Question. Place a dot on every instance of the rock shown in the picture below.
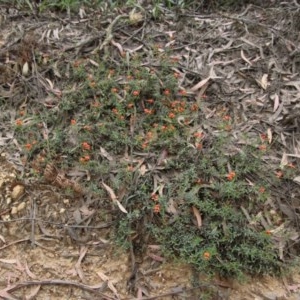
(17, 192)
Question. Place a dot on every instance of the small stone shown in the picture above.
(21, 206)
(62, 210)
(17, 192)
(14, 210)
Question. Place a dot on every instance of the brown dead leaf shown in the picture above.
(5, 295)
(143, 169)
(109, 283)
(198, 216)
(284, 160)
(121, 207)
(105, 154)
(28, 272)
(83, 251)
(9, 261)
(200, 84)
(297, 179)
(110, 191)
(156, 257)
(269, 133)
(171, 207)
(275, 98)
(118, 45)
(245, 58)
(33, 293)
(2, 239)
(263, 82)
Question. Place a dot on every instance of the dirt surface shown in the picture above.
(56, 246)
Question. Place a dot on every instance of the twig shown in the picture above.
(176, 292)
(109, 34)
(104, 225)
(97, 289)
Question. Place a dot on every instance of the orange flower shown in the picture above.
(171, 115)
(262, 147)
(261, 189)
(230, 175)
(182, 92)
(86, 146)
(149, 135)
(73, 122)
(263, 136)
(194, 107)
(291, 165)
(156, 208)
(198, 135)
(135, 93)
(268, 232)
(179, 109)
(148, 111)
(228, 127)
(154, 197)
(28, 146)
(19, 122)
(227, 118)
(206, 255)
(84, 159)
(145, 145)
(114, 90)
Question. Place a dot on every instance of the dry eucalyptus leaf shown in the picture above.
(110, 191)
(245, 58)
(198, 216)
(269, 133)
(25, 69)
(297, 179)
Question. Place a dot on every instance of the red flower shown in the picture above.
(86, 146)
(230, 175)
